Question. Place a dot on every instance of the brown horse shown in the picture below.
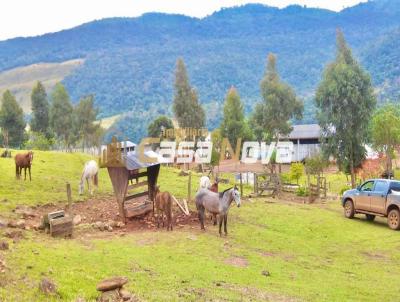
(163, 205)
(23, 161)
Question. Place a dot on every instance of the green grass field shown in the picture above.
(311, 252)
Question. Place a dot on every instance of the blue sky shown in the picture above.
(35, 17)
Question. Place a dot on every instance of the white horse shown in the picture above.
(90, 172)
(205, 182)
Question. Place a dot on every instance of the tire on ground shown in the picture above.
(394, 219)
(349, 209)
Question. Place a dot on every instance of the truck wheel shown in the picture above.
(370, 217)
(394, 219)
(349, 209)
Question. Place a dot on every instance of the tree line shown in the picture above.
(55, 121)
(346, 111)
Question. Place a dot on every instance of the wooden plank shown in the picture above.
(136, 195)
(138, 210)
(138, 185)
(138, 175)
(184, 210)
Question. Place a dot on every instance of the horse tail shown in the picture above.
(96, 179)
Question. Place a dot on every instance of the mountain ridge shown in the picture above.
(129, 62)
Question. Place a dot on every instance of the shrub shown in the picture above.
(38, 141)
(316, 164)
(285, 178)
(296, 171)
(302, 191)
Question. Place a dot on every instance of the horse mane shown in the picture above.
(222, 193)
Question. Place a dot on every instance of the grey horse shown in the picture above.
(216, 203)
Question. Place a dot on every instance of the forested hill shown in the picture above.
(129, 62)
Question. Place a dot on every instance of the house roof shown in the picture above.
(132, 161)
(309, 131)
(128, 144)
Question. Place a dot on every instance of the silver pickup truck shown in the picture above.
(375, 197)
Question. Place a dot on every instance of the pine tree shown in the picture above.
(186, 107)
(234, 125)
(40, 110)
(279, 105)
(345, 103)
(12, 121)
(61, 111)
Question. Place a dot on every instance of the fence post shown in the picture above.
(190, 186)
(69, 197)
(241, 185)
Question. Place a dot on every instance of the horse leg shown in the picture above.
(214, 216)
(16, 171)
(169, 222)
(25, 173)
(201, 217)
(90, 186)
(30, 177)
(225, 222)
(221, 217)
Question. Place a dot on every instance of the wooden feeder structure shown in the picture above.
(58, 224)
(134, 184)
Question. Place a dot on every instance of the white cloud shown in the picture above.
(28, 17)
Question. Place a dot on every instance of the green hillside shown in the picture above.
(129, 62)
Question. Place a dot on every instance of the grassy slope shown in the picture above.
(22, 79)
(311, 251)
(52, 170)
(50, 173)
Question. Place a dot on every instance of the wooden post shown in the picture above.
(190, 186)
(241, 185)
(256, 184)
(309, 188)
(69, 197)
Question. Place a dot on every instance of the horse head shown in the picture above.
(236, 196)
(81, 187)
(29, 156)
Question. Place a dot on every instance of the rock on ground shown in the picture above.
(110, 296)
(3, 223)
(77, 219)
(47, 286)
(111, 284)
(125, 295)
(3, 245)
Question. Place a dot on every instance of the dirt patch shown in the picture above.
(375, 256)
(285, 257)
(237, 261)
(255, 294)
(103, 210)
